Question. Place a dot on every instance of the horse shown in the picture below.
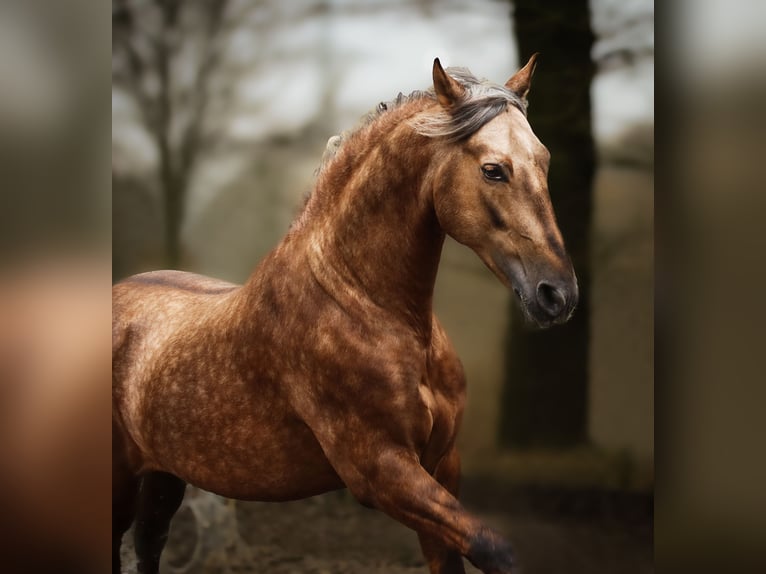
(328, 368)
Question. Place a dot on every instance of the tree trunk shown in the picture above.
(546, 387)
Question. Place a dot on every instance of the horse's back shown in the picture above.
(156, 292)
(180, 280)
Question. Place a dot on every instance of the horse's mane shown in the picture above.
(336, 142)
(483, 101)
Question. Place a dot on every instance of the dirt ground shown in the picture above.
(593, 533)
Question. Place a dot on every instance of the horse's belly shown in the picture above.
(246, 453)
(293, 474)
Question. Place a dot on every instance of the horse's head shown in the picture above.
(490, 189)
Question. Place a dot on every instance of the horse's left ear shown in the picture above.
(522, 80)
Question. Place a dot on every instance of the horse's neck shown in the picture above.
(373, 233)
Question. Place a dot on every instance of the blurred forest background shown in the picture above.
(220, 113)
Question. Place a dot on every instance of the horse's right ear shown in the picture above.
(448, 89)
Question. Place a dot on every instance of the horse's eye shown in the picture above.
(494, 172)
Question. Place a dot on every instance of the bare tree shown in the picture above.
(165, 54)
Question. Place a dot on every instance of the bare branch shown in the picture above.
(170, 55)
(190, 141)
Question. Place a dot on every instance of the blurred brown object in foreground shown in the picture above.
(54, 416)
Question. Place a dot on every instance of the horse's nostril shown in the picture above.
(552, 299)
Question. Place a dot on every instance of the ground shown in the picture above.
(552, 532)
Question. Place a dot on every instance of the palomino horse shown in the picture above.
(328, 368)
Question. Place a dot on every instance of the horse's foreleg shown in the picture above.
(397, 484)
(161, 495)
(442, 559)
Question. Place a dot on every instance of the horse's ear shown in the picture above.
(522, 80)
(448, 89)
